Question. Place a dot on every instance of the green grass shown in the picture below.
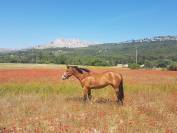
(41, 66)
(70, 88)
(39, 88)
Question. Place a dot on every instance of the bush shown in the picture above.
(98, 62)
(163, 63)
(149, 64)
(172, 67)
(134, 66)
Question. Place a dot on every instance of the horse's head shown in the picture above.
(69, 72)
(72, 70)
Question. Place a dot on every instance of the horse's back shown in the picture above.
(109, 76)
(107, 73)
(113, 74)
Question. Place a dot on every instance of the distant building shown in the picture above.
(142, 66)
(122, 65)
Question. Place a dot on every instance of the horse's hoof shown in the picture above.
(119, 103)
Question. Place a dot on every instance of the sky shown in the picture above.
(25, 23)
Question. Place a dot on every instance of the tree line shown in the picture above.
(151, 54)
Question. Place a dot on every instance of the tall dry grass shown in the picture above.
(47, 105)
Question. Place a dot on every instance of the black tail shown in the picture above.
(121, 92)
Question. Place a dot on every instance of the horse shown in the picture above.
(90, 80)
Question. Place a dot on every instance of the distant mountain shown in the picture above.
(65, 43)
(4, 50)
(76, 43)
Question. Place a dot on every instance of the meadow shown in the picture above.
(34, 99)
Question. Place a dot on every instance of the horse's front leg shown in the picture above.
(87, 93)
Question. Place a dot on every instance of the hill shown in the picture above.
(155, 52)
(65, 43)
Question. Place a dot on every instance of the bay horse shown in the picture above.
(90, 80)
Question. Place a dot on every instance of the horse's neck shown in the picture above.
(80, 76)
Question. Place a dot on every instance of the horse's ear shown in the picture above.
(67, 66)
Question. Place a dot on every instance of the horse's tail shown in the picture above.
(121, 91)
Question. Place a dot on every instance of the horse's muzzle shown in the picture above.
(64, 76)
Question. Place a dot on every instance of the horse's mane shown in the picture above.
(81, 70)
(85, 70)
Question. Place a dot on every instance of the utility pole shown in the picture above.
(34, 57)
(136, 55)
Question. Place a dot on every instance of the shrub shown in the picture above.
(134, 66)
(149, 64)
(172, 67)
(163, 63)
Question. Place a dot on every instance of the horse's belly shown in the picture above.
(98, 86)
(97, 83)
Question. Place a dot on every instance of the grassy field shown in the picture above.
(33, 98)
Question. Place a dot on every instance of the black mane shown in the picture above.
(85, 70)
(82, 70)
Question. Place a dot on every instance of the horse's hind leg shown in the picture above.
(117, 94)
(119, 99)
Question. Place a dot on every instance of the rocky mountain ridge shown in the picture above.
(65, 43)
